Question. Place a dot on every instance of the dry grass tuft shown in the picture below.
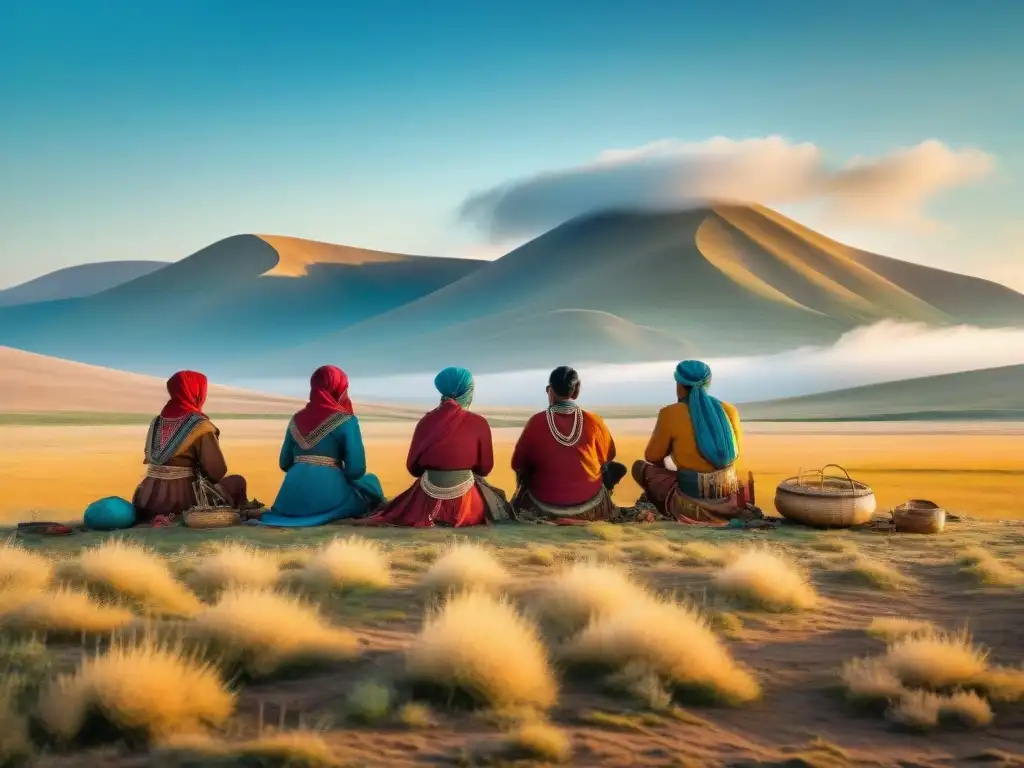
(583, 590)
(878, 574)
(64, 611)
(835, 544)
(973, 556)
(416, 715)
(540, 555)
(1002, 683)
(607, 531)
(643, 684)
(21, 569)
(15, 742)
(703, 553)
(652, 551)
(923, 710)
(478, 645)
(541, 741)
(143, 691)
(293, 749)
(870, 681)
(936, 661)
(263, 631)
(235, 565)
(671, 640)
(996, 573)
(465, 566)
(132, 571)
(767, 580)
(349, 562)
(891, 628)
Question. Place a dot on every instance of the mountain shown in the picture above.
(76, 282)
(234, 300)
(724, 280)
(991, 393)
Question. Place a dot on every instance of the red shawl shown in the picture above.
(450, 418)
(188, 394)
(328, 396)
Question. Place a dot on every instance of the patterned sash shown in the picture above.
(166, 436)
(317, 461)
(328, 425)
(169, 472)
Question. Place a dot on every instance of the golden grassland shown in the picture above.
(51, 472)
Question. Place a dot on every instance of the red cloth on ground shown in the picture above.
(328, 395)
(188, 394)
(447, 438)
(563, 475)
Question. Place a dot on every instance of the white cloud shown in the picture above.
(670, 174)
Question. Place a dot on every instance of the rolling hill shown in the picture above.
(990, 394)
(725, 280)
(234, 300)
(77, 282)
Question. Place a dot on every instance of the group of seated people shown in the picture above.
(564, 461)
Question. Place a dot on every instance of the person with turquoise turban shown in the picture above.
(450, 455)
(702, 436)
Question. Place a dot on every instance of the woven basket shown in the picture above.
(211, 517)
(919, 516)
(825, 501)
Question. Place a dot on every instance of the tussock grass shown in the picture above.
(368, 702)
(996, 573)
(137, 692)
(871, 682)
(541, 741)
(262, 632)
(282, 749)
(64, 612)
(923, 710)
(21, 569)
(703, 553)
(642, 683)
(465, 566)
(671, 640)
(835, 544)
(973, 556)
(540, 555)
(877, 574)
(767, 580)
(566, 602)
(890, 628)
(652, 550)
(349, 562)
(235, 565)
(936, 661)
(607, 531)
(416, 715)
(1002, 683)
(129, 570)
(478, 646)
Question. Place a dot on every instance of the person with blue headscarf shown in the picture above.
(450, 454)
(702, 436)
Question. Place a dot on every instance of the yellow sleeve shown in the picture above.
(734, 419)
(660, 444)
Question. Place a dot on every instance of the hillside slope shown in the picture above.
(76, 282)
(992, 393)
(234, 300)
(728, 280)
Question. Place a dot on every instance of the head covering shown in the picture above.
(328, 396)
(712, 429)
(188, 394)
(455, 384)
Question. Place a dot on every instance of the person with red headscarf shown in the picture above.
(182, 444)
(324, 460)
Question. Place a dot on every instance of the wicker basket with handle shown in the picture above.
(211, 510)
(919, 516)
(821, 500)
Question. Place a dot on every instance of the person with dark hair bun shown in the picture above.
(564, 459)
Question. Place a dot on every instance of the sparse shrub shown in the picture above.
(121, 569)
(465, 566)
(235, 565)
(767, 580)
(263, 632)
(349, 562)
(478, 646)
(64, 612)
(671, 640)
(142, 691)
(567, 601)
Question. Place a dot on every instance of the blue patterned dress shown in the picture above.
(326, 476)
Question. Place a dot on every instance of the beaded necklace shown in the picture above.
(576, 432)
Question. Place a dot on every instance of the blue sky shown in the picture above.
(137, 130)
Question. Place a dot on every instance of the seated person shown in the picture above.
(324, 461)
(703, 437)
(451, 452)
(182, 446)
(563, 459)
